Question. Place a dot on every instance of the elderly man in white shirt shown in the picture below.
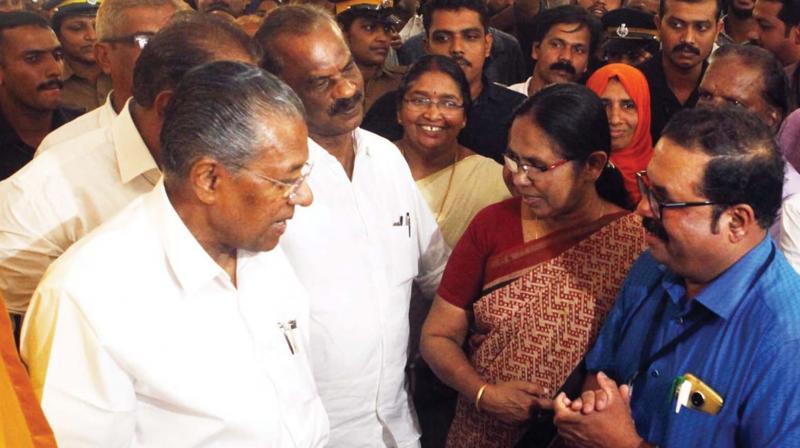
(71, 189)
(178, 323)
(123, 29)
(358, 249)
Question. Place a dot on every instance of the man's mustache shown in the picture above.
(564, 67)
(53, 83)
(220, 6)
(346, 104)
(655, 227)
(686, 47)
(460, 60)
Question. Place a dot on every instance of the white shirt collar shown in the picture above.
(133, 157)
(192, 266)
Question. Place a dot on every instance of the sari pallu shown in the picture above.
(542, 306)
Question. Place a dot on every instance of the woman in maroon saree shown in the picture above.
(538, 273)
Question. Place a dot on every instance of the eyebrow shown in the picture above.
(39, 51)
(461, 31)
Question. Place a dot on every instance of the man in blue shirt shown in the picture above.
(713, 297)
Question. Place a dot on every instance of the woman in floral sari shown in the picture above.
(539, 271)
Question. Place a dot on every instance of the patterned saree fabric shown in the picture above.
(542, 307)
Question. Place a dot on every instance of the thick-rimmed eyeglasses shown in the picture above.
(423, 103)
(656, 205)
(515, 165)
(290, 188)
(138, 39)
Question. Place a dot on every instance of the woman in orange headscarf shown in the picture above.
(626, 96)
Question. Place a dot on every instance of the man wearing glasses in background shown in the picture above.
(123, 29)
(701, 346)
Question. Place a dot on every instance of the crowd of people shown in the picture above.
(359, 223)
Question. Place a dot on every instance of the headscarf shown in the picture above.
(637, 154)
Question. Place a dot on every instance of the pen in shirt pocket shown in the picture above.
(288, 334)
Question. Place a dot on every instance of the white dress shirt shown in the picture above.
(94, 119)
(357, 249)
(63, 194)
(151, 345)
(790, 231)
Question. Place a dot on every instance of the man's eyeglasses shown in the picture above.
(138, 39)
(515, 165)
(290, 188)
(423, 103)
(658, 206)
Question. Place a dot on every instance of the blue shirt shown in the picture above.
(747, 349)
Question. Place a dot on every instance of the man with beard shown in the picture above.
(369, 236)
(738, 23)
(368, 26)
(701, 346)
(67, 191)
(564, 39)
(778, 32)
(234, 8)
(777, 29)
(85, 85)
(123, 29)
(31, 64)
(458, 29)
(687, 30)
(599, 8)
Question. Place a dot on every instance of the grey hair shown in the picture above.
(111, 15)
(292, 20)
(226, 111)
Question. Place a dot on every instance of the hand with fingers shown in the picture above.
(514, 401)
(598, 419)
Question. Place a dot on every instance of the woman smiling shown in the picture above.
(456, 182)
(626, 97)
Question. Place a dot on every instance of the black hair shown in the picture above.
(223, 110)
(431, 6)
(435, 63)
(776, 87)
(16, 19)
(292, 20)
(789, 14)
(190, 39)
(662, 7)
(575, 120)
(568, 14)
(746, 166)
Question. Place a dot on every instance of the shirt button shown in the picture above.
(680, 321)
(655, 373)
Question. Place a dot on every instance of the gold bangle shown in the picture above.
(479, 396)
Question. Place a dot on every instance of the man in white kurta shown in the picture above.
(151, 345)
(368, 237)
(178, 323)
(358, 249)
(63, 194)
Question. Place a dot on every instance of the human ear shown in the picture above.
(595, 164)
(101, 55)
(742, 218)
(162, 101)
(206, 178)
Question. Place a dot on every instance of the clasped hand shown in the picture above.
(599, 418)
